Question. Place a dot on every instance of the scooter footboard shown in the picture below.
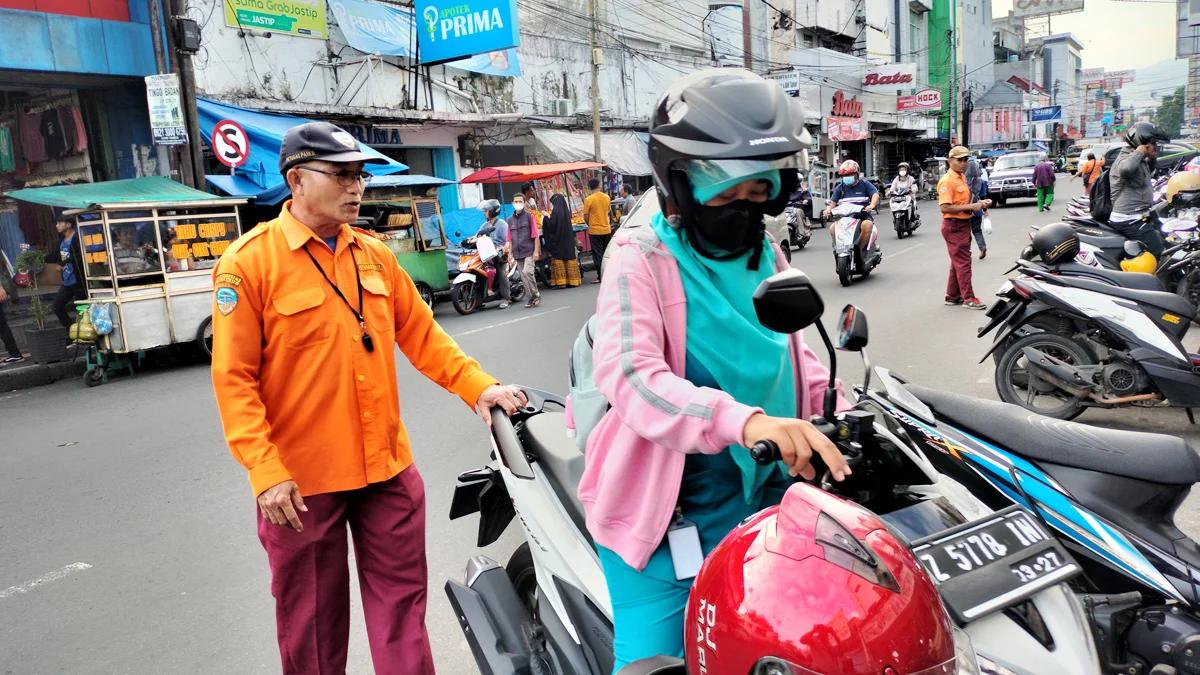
(491, 616)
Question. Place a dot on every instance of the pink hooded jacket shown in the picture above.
(635, 455)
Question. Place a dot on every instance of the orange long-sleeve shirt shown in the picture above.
(300, 397)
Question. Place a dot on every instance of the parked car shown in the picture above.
(1012, 176)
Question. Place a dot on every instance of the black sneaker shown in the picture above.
(13, 359)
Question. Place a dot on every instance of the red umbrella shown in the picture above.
(499, 174)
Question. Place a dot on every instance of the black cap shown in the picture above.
(321, 141)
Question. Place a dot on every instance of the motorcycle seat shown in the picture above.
(1156, 458)
(545, 437)
(1132, 280)
(1162, 300)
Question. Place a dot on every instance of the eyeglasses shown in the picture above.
(344, 178)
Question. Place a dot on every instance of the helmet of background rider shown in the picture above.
(728, 123)
(1056, 243)
(848, 168)
(490, 208)
(1145, 133)
(1183, 190)
(817, 586)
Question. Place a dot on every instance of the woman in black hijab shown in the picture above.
(560, 243)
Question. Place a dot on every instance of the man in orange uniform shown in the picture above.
(307, 309)
(954, 198)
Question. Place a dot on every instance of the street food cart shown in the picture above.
(149, 246)
(402, 213)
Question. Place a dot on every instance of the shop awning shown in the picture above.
(623, 151)
(134, 192)
(259, 177)
(407, 180)
(497, 174)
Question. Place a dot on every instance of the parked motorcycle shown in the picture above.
(848, 253)
(475, 285)
(1000, 575)
(904, 212)
(1110, 496)
(1076, 343)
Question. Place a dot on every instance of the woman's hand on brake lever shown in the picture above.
(797, 440)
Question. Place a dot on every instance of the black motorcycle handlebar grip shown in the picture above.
(765, 452)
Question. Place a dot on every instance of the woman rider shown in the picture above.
(692, 378)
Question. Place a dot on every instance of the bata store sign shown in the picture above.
(890, 77)
(926, 99)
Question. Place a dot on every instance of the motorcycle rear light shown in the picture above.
(845, 550)
(1023, 290)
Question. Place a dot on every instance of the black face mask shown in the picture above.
(730, 230)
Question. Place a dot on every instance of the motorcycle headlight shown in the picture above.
(462, 265)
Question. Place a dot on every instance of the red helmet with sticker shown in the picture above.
(817, 586)
(848, 168)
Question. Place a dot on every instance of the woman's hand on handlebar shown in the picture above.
(797, 441)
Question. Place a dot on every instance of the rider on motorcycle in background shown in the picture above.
(801, 198)
(496, 229)
(854, 189)
(1132, 190)
(650, 467)
(905, 181)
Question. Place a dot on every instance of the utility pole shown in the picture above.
(597, 58)
(953, 70)
(165, 158)
(181, 63)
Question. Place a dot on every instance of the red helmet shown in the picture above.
(818, 586)
(848, 168)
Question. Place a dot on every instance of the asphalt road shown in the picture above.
(127, 533)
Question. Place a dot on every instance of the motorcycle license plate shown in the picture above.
(992, 563)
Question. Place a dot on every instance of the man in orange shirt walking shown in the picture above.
(596, 215)
(306, 312)
(954, 199)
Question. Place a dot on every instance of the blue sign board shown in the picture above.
(1051, 113)
(452, 29)
(1108, 118)
(373, 28)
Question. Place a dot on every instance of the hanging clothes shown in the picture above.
(8, 156)
(52, 132)
(68, 127)
(33, 146)
(81, 141)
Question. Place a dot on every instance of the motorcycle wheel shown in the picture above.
(204, 337)
(464, 298)
(787, 252)
(1013, 369)
(522, 574)
(426, 292)
(843, 270)
(517, 291)
(1045, 324)
(1189, 289)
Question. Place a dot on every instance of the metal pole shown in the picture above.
(165, 158)
(187, 92)
(953, 70)
(595, 79)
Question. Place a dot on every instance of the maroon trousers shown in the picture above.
(957, 233)
(310, 578)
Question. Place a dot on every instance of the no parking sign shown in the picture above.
(230, 143)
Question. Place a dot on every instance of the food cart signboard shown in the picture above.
(304, 18)
(451, 29)
(166, 113)
(230, 143)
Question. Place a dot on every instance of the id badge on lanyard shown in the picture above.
(683, 538)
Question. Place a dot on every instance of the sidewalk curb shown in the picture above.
(12, 379)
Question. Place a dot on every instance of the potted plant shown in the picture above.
(45, 344)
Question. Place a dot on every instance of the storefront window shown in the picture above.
(196, 244)
(134, 248)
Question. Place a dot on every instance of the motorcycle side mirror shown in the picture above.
(852, 330)
(788, 302)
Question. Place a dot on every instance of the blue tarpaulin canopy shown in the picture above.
(259, 177)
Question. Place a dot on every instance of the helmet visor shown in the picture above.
(964, 662)
(711, 177)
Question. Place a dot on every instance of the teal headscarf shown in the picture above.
(749, 362)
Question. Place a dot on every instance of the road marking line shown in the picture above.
(906, 250)
(505, 323)
(44, 579)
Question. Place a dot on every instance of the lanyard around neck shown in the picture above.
(366, 337)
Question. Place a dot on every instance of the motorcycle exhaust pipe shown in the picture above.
(1058, 373)
(1125, 399)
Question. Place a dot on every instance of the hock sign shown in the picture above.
(451, 29)
(926, 99)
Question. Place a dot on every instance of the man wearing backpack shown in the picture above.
(1132, 192)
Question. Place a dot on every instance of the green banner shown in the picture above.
(303, 18)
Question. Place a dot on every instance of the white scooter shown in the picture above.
(905, 218)
(848, 253)
(548, 610)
